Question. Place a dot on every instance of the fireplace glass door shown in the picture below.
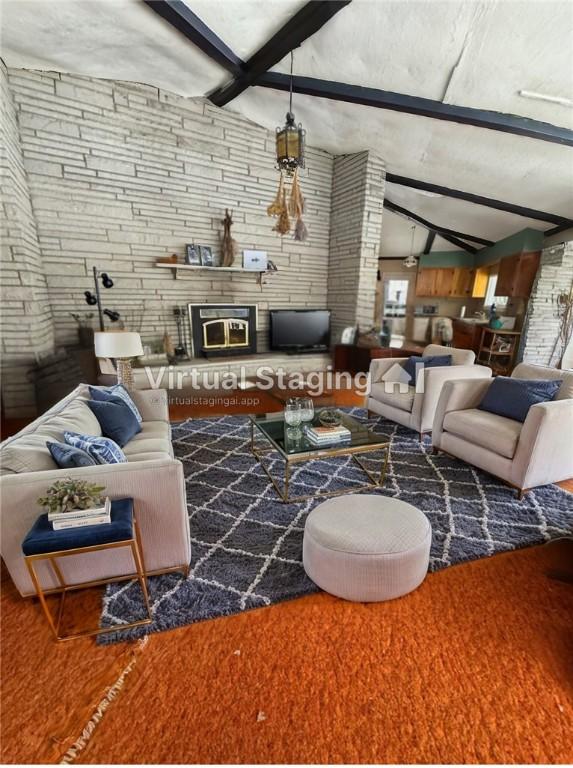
(225, 333)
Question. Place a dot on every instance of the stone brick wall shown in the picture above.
(118, 174)
(121, 174)
(356, 227)
(555, 276)
(27, 329)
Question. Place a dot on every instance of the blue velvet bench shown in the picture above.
(43, 543)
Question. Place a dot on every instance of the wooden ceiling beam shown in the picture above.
(415, 105)
(180, 16)
(489, 202)
(308, 20)
(447, 234)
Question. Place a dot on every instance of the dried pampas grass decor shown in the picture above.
(284, 211)
(283, 224)
(228, 245)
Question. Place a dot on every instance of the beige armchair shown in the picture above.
(525, 455)
(415, 406)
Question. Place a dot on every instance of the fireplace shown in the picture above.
(223, 329)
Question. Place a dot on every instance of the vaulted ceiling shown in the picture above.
(464, 53)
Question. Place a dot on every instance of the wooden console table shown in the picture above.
(354, 359)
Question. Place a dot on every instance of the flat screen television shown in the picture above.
(300, 330)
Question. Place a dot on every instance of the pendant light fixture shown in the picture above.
(290, 138)
(410, 260)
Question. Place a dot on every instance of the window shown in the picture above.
(490, 297)
(395, 294)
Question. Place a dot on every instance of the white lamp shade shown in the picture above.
(118, 344)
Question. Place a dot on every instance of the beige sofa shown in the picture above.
(525, 455)
(151, 476)
(415, 407)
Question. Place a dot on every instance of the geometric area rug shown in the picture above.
(247, 545)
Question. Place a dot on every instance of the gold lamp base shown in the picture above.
(125, 373)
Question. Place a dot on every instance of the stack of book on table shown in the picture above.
(78, 518)
(327, 435)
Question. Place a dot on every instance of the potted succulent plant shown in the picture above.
(68, 495)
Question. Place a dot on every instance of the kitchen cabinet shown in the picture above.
(467, 335)
(455, 282)
(516, 274)
(462, 283)
(444, 281)
(481, 278)
(426, 282)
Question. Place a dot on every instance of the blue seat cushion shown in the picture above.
(415, 363)
(116, 419)
(117, 391)
(67, 456)
(42, 538)
(513, 398)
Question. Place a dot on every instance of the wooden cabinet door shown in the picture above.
(506, 276)
(444, 282)
(462, 282)
(426, 282)
(479, 287)
(526, 272)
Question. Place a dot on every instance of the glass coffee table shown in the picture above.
(294, 450)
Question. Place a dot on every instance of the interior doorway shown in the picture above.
(394, 307)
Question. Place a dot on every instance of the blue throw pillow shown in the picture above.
(66, 456)
(116, 419)
(513, 398)
(415, 363)
(101, 449)
(118, 390)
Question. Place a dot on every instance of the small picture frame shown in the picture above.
(206, 254)
(255, 260)
(192, 257)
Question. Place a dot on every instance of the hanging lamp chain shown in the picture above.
(290, 85)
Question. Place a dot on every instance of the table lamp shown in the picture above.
(120, 345)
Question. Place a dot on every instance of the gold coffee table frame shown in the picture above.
(376, 480)
(134, 544)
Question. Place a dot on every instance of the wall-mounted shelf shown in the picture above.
(197, 268)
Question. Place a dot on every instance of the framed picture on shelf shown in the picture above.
(206, 253)
(192, 257)
(255, 260)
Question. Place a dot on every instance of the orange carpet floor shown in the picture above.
(475, 666)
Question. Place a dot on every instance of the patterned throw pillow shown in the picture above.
(118, 390)
(101, 449)
(66, 456)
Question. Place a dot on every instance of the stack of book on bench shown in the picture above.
(78, 518)
(328, 435)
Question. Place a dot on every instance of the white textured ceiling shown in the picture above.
(477, 54)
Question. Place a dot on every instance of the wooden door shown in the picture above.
(506, 276)
(526, 272)
(444, 281)
(426, 282)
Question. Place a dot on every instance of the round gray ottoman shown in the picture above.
(366, 548)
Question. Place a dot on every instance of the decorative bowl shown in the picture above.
(330, 417)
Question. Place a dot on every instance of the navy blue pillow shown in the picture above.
(513, 398)
(66, 456)
(430, 361)
(117, 392)
(116, 419)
